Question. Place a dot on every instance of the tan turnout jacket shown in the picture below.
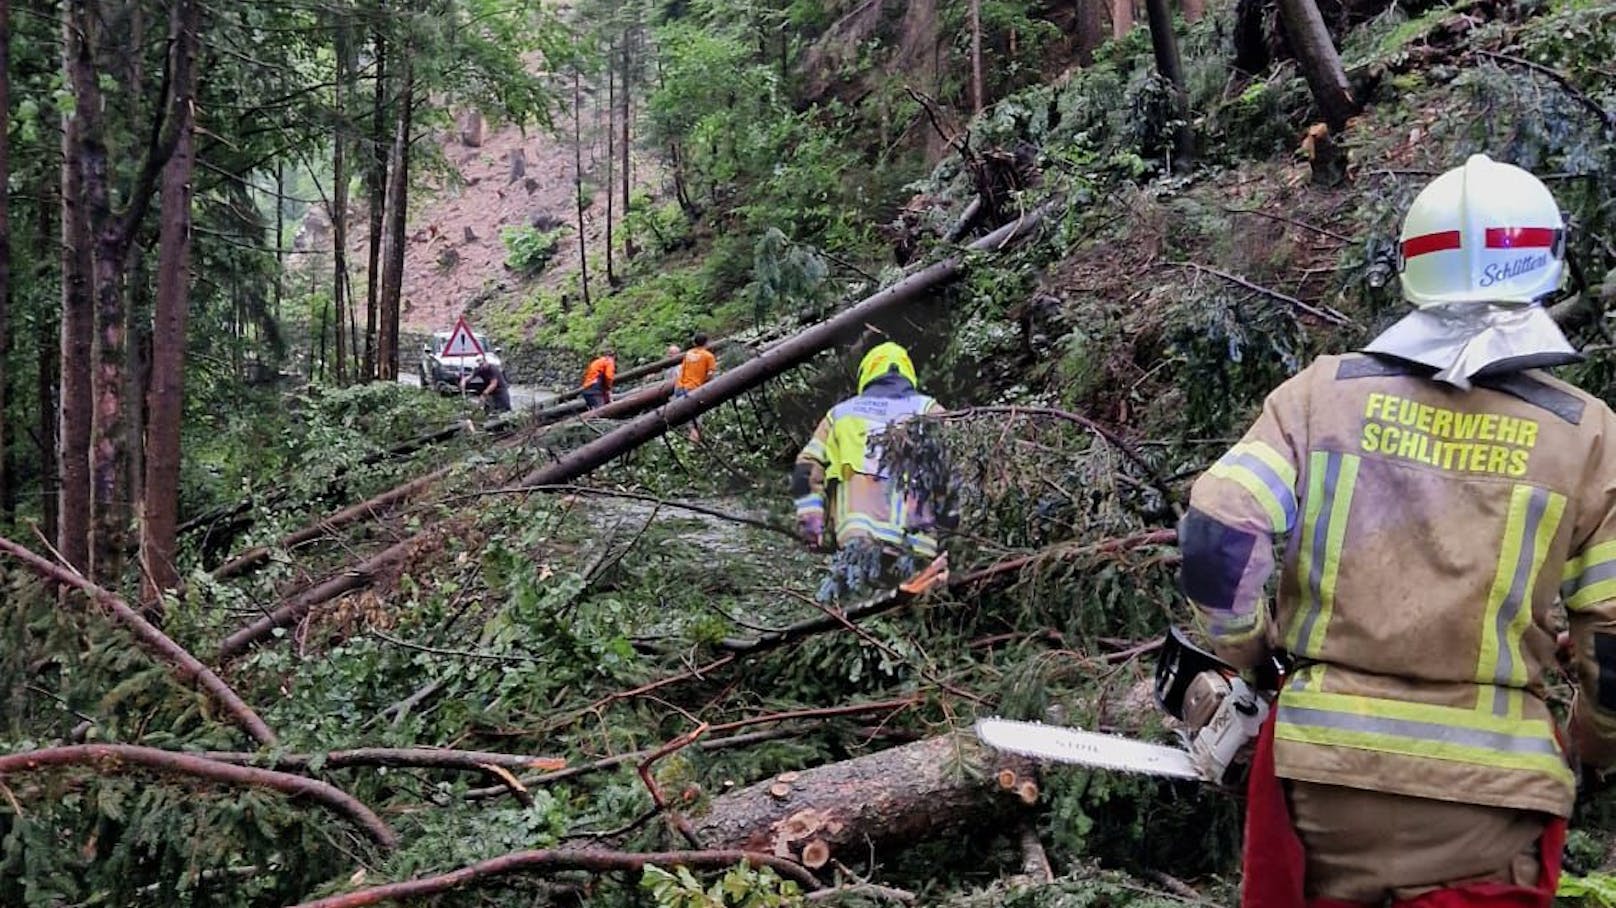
(1427, 534)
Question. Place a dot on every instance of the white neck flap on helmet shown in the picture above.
(1482, 247)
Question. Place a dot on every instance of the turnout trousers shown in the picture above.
(1324, 846)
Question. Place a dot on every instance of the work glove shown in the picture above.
(811, 528)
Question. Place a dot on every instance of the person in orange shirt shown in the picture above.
(598, 379)
(698, 368)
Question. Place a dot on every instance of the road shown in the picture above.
(522, 398)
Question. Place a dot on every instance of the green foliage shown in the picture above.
(446, 840)
(740, 887)
(1595, 890)
(529, 250)
(784, 275)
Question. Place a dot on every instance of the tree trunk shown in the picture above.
(1164, 43)
(884, 801)
(611, 160)
(280, 233)
(166, 398)
(376, 183)
(1121, 18)
(394, 231)
(1090, 29)
(1251, 53)
(48, 377)
(1304, 27)
(975, 13)
(8, 490)
(339, 204)
(78, 331)
(629, 249)
(578, 183)
(136, 378)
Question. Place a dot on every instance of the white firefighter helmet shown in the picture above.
(1486, 232)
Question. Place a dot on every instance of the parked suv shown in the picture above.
(442, 373)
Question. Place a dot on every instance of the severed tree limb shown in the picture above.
(675, 819)
(292, 610)
(1325, 314)
(419, 757)
(364, 510)
(555, 860)
(111, 758)
(708, 744)
(1559, 78)
(1292, 221)
(495, 765)
(888, 601)
(186, 667)
(613, 762)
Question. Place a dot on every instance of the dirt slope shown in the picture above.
(455, 251)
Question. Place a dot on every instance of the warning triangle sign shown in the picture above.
(461, 341)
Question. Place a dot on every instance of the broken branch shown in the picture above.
(1325, 314)
(186, 666)
(419, 757)
(555, 860)
(111, 758)
(1560, 79)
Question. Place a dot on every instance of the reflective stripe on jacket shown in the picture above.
(865, 503)
(1427, 533)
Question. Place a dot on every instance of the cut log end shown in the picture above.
(1007, 779)
(815, 854)
(780, 790)
(1027, 791)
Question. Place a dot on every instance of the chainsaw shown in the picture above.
(1221, 712)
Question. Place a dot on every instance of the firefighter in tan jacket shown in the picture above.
(1434, 498)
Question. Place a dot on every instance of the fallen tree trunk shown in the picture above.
(890, 798)
(774, 361)
(111, 758)
(186, 666)
(359, 576)
(554, 861)
(371, 507)
(292, 610)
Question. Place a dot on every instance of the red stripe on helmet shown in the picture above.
(1520, 237)
(1430, 242)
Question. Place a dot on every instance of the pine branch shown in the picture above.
(111, 759)
(421, 757)
(551, 861)
(186, 666)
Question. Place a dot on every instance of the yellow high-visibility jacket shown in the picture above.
(1427, 535)
(864, 502)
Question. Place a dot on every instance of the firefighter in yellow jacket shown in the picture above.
(842, 463)
(1434, 496)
